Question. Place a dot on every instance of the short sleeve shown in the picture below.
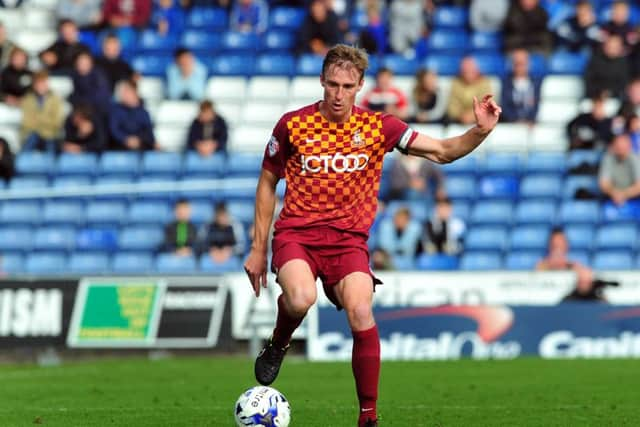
(275, 153)
(397, 134)
(635, 162)
(605, 168)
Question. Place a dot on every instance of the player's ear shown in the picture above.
(322, 79)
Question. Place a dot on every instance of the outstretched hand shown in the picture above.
(487, 113)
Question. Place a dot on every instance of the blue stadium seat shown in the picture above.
(400, 64)
(541, 186)
(358, 20)
(461, 187)
(140, 238)
(617, 236)
(579, 211)
(201, 211)
(451, 17)
(76, 164)
(538, 162)
(466, 165)
(172, 264)
(28, 183)
(231, 64)
(152, 41)
(149, 212)
(486, 42)
(270, 64)
(278, 40)
(443, 64)
(627, 212)
(88, 263)
(492, 238)
(490, 64)
(34, 163)
(574, 183)
(309, 65)
(241, 211)
(244, 164)
(492, 212)
(238, 42)
(156, 162)
(580, 256)
(46, 263)
(128, 37)
(132, 262)
(12, 262)
(55, 238)
(211, 167)
(201, 41)
(503, 163)
(475, 261)
(208, 18)
(462, 210)
(20, 212)
(583, 157)
(542, 211)
(119, 162)
(537, 65)
(71, 182)
(499, 186)
(447, 41)
(437, 262)
(232, 265)
(63, 212)
(16, 238)
(566, 63)
(420, 209)
(106, 212)
(97, 239)
(151, 65)
(612, 260)
(289, 18)
(90, 38)
(580, 237)
(529, 237)
(522, 260)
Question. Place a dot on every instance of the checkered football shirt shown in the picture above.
(332, 170)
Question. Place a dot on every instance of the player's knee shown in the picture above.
(360, 315)
(301, 300)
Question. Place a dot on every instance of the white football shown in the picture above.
(262, 406)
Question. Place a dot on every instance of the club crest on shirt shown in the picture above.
(273, 146)
(356, 139)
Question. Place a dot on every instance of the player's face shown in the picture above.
(341, 84)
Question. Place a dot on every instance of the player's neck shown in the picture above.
(324, 112)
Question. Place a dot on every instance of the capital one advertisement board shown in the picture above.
(569, 330)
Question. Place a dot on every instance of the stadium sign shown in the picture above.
(147, 313)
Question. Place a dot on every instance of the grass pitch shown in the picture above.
(202, 391)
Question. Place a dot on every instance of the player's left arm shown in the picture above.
(447, 150)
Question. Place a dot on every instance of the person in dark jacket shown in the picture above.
(111, 62)
(180, 235)
(608, 69)
(129, 122)
(208, 132)
(15, 79)
(220, 238)
(526, 27)
(83, 131)
(7, 168)
(320, 29)
(58, 58)
(520, 91)
(581, 31)
(90, 85)
(620, 25)
(591, 130)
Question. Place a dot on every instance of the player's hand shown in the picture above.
(487, 113)
(256, 268)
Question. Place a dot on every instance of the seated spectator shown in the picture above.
(557, 257)
(180, 234)
(6, 47)
(425, 97)
(411, 178)
(83, 131)
(129, 122)
(488, 15)
(406, 24)
(442, 232)
(526, 27)
(112, 64)
(319, 31)
(59, 57)
(90, 85)
(385, 96)
(591, 130)
(7, 167)
(619, 175)
(619, 24)
(168, 18)
(520, 91)
(16, 78)
(249, 16)
(42, 116)
(186, 77)
(208, 132)
(381, 260)
(586, 289)
(400, 235)
(223, 237)
(607, 70)
(631, 101)
(581, 31)
(469, 84)
(85, 13)
(126, 13)
(373, 37)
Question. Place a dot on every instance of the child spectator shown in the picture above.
(129, 122)
(180, 235)
(16, 78)
(223, 238)
(83, 131)
(42, 116)
(208, 132)
(186, 77)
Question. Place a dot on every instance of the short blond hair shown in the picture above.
(342, 56)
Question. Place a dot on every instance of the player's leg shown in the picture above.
(355, 293)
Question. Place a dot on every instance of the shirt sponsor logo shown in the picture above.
(273, 146)
(339, 163)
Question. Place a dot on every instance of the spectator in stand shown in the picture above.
(115, 68)
(469, 84)
(406, 24)
(442, 232)
(126, 13)
(399, 236)
(373, 38)
(579, 33)
(249, 16)
(488, 15)
(83, 131)
(129, 122)
(619, 24)
(591, 130)
(557, 257)
(208, 132)
(607, 70)
(385, 96)
(223, 238)
(319, 31)
(16, 78)
(90, 85)
(425, 97)
(619, 176)
(526, 27)
(7, 167)
(186, 77)
(85, 13)
(631, 102)
(59, 57)
(168, 18)
(42, 116)
(180, 234)
(411, 179)
(520, 91)
(6, 47)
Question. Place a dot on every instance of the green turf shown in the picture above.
(201, 392)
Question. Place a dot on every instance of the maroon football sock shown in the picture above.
(365, 362)
(285, 325)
